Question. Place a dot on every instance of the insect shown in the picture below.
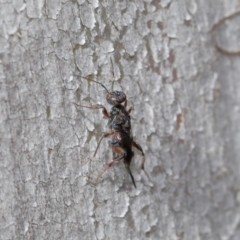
(120, 126)
(119, 117)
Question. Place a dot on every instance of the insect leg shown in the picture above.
(130, 109)
(125, 106)
(137, 145)
(119, 150)
(103, 136)
(108, 166)
(104, 110)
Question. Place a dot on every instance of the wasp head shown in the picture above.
(116, 97)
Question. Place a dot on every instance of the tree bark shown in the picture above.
(177, 61)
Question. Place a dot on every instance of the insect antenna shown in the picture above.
(109, 18)
(112, 72)
(91, 80)
(101, 85)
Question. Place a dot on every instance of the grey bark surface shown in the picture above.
(177, 61)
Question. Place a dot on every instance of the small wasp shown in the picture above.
(120, 126)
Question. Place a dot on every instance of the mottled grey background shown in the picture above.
(177, 61)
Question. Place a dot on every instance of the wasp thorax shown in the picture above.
(116, 97)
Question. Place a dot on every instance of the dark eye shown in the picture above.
(114, 142)
(118, 93)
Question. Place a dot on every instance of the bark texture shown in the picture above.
(177, 61)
